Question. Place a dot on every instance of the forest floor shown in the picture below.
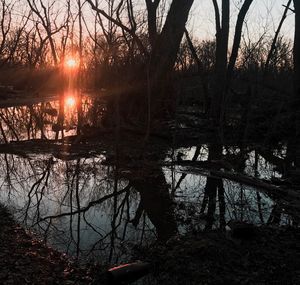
(267, 255)
(271, 256)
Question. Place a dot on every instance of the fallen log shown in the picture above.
(250, 181)
(128, 273)
(209, 164)
(270, 157)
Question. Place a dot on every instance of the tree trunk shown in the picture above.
(296, 101)
(163, 55)
(273, 46)
(297, 49)
(161, 60)
(221, 66)
(223, 73)
(237, 38)
(152, 27)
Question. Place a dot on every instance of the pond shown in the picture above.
(94, 209)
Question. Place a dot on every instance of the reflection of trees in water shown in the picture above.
(88, 209)
(46, 120)
(213, 187)
(76, 204)
(155, 202)
(27, 122)
(205, 201)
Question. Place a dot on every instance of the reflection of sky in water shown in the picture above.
(240, 200)
(188, 153)
(94, 181)
(264, 168)
(28, 122)
(42, 185)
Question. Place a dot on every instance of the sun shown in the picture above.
(70, 101)
(71, 62)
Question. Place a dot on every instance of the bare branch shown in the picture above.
(120, 25)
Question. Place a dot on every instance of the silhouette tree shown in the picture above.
(296, 101)
(223, 69)
(164, 48)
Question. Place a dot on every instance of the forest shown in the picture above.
(149, 141)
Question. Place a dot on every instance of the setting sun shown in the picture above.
(71, 63)
(70, 101)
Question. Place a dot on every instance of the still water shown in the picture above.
(95, 210)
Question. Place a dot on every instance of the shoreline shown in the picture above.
(26, 260)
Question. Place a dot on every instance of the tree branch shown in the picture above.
(120, 25)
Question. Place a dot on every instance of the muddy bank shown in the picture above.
(26, 260)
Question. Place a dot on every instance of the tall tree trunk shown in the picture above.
(161, 59)
(152, 25)
(223, 72)
(237, 38)
(296, 101)
(222, 36)
(164, 52)
(273, 46)
(80, 73)
(297, 48)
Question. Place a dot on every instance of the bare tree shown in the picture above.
(222, 36)
(118, 23)
(297, 48)
(296, 101)
(152, 20)
(162, 56)
(237, 38)
(66, 34)
(223, 69)
(48, 18)
(273, 46)
(5, 23)
(164, 53)
(16, 39)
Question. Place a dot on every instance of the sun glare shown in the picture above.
(70, 101)
(71, 63)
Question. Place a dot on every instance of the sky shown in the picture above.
(262, 15)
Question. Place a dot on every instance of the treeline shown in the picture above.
(144, 52)
(44, 33)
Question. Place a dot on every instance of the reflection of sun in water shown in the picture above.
(70, 101)
(71, 63)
